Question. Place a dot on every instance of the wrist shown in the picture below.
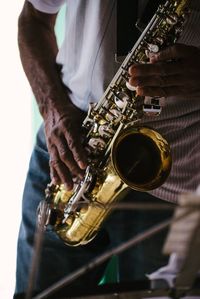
(55, 111)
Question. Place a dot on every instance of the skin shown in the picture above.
(172, 72)
(62, 120)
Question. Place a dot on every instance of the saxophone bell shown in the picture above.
(141, 157)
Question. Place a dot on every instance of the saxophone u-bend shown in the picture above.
(122, 153)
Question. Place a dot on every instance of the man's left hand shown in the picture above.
(174, 71)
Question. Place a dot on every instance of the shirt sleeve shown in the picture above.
(47, 6)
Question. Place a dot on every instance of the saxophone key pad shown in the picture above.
(160, 40)
(121, 99)
(113, 115)
(153, 48)
(97, 143)
(106, 131)
(130, 87)
(172, 19)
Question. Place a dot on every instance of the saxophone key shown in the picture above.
(153, 48)
(114, 115)
(97, 144)
(160, 40)
(172, 19)
(121, 99)
(106, 131)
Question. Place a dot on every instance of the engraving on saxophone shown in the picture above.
(122, 153)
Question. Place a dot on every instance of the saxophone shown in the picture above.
(122, 154)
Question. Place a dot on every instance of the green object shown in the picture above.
(59, 26)
(111, 274)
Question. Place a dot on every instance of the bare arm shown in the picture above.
(38, 50)
(174, 71)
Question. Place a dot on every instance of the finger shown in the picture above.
(156, 69)
(162, 91)
(162, 81)
(54, 176)
(52, 161)
(58, 170)
(68, 159)
(79, 154)
(61, 175)
(66, 156)
(64, 175)
(174, 52)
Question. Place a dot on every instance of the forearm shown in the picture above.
(38, 50)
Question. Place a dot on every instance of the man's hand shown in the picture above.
(63, 135)
(171, 72)
(38, 51)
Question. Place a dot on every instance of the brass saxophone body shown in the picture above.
(122, 153)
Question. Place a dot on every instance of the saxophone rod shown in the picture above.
(105, 256)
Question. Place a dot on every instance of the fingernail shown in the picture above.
(54, 181)
(81, 176)
(153, 57)
(138, 91)
(82, 165)
(68, 187)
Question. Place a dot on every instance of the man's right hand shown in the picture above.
(38, 51)
(64, 135)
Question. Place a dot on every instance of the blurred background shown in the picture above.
(19, 120)
(16, 141)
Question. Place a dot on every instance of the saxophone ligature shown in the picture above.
(122, 153)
